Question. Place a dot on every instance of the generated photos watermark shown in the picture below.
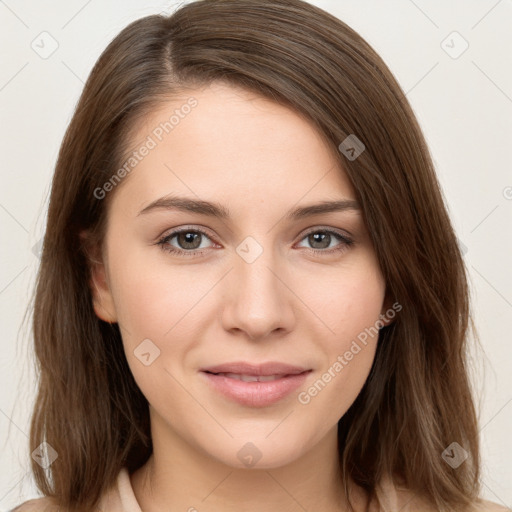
(304, 397)
(151, 142)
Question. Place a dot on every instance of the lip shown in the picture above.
(255, 394)
(262, 369)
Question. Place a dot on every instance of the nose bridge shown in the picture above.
(258, 301)
(257, 284)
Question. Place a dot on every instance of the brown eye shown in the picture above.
(325, 241)
(187, 242)
(322, 239)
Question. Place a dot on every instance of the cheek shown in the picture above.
(143, 302)
(162, 310)
(154, 304)
(152, 297)
(345, 302)
(358, 308)
(351, 310)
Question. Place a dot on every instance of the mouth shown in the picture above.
(257, 386)
(250, 378)
(268, 369)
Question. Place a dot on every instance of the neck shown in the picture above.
(179, 476)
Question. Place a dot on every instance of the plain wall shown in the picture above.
(464, 106)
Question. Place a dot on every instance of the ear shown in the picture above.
(102, 299)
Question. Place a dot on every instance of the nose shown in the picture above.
(258, 299)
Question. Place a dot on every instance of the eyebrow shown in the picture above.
(212, 209)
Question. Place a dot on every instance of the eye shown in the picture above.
(321, 239)
(189, 241)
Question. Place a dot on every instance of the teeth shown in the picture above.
(251, 378)
(265, 378)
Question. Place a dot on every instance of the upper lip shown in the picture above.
(263, 369)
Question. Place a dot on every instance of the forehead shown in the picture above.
(227, 144)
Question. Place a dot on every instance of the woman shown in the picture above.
(250, 295)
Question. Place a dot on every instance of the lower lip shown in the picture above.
(256, 394)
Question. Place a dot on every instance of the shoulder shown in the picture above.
(45, 504)
(409, 501)
(405, 500)
(117, 498)
(490, 506)
(417, 503)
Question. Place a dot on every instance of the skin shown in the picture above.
(258, 159)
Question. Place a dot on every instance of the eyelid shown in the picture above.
(341, 232)
(185, 229)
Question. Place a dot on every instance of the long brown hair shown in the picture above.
(417, 399)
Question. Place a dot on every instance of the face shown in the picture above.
(252, 284)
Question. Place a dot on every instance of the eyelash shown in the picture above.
(163, 242)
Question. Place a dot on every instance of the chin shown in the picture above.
(251, 453)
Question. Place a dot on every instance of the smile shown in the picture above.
(254, 390)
